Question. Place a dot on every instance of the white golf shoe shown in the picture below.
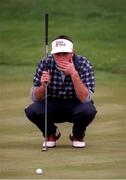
(77, 143)
(51, 140)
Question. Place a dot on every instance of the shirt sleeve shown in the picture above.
(37, 77)
(87, 75)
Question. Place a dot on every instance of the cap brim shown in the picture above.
(59, 50)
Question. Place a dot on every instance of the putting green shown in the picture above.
(20, 145)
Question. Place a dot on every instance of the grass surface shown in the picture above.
(20, 145)
(97, 27)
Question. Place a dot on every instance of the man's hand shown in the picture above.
(45, 78)
(40, 90)
(67, 67)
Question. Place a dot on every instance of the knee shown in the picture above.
(29, 113)
(87, 110)
(90, 111)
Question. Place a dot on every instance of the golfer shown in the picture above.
(70, 88)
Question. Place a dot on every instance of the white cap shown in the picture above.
(61, 45)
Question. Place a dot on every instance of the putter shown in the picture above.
(45, 148)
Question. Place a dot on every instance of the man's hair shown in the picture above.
(63, 37)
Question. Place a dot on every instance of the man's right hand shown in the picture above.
(45, 78)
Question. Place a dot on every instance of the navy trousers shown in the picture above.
(59, 111)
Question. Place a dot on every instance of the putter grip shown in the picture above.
(46, 29)
(46, 66)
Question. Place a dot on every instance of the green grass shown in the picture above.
(99, 30)
(20, 145)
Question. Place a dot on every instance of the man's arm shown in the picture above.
(39, 91)
(81, 90)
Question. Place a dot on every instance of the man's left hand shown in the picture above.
(67, 67)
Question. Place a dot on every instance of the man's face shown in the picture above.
(63, 56)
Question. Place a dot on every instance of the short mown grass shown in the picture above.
(20, 145)
(98, 29)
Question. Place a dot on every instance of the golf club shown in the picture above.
(46, 55)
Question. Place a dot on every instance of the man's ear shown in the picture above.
(73, 53)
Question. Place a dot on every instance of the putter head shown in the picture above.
(44, 149)
(44, 146)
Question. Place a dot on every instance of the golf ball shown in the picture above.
(39, 171)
